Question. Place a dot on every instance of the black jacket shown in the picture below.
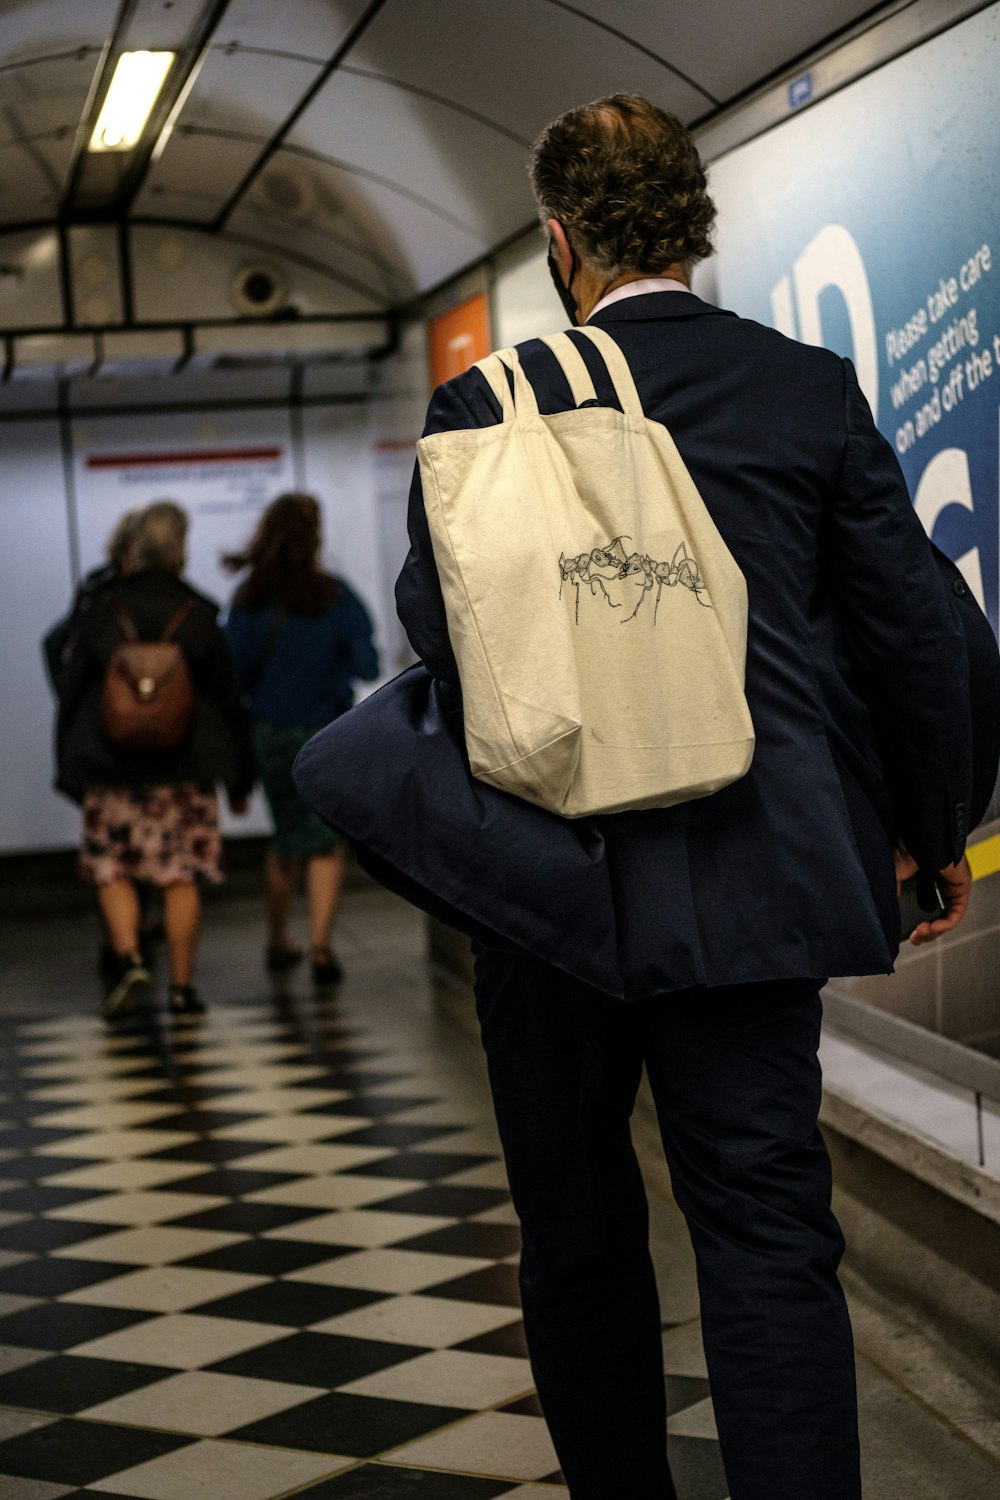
(218, 748)
(857, 678)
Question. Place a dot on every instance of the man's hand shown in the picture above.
(956, 884)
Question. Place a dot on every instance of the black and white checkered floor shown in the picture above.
(273, 1254)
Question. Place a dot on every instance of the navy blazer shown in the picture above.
(857, 680)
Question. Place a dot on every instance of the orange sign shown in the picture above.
(457, 338)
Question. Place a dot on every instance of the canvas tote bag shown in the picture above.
(598, 619)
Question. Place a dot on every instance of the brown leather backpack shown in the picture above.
(147, 697)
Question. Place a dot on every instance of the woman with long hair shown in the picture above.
(301, 638)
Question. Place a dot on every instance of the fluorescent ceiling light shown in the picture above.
(134, 90)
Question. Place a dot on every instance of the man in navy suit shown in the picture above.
(728, 912)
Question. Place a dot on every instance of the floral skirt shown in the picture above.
(161, 834)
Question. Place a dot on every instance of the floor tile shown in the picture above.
(372, 1106)
(327, 1192)
(508, 1340)
(153, 1246)
(44, 1236)
(13, 1357)
(209, 1150)
(535, 1492)
(387, 1270)
(221, 1471)
(42, 1277)
(66, 1383)
(489, 1241)
(424, 1166)
(231, 1180)
(329, 1360)
(163, 1289)
(54, 1325)
(683, 1351)
(106, 1145)
(242, 1218)
(366, 1227)
(489, 1174)
(388, 1482)
(449, 1378)
(455, 1202)
(38, 1198)
(121, 1176)
(697, 1421)
(105, 1116)
(135, 1208)
(504, 1213)
(183, 1341)
(294, 1303)
(433, 1322)
(265, 1257)
(496, 1283)
(697, 1468)
(291, 1128)
(286, 1101)
(511, 1447)
(313, 1159)
(12, 1488)
(13, 1423)
(359, 1425)
(201, 1402)
(78, 1453)
(390, 1133)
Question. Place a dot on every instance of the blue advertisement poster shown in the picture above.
(870, 223)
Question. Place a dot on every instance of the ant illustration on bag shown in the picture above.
(590, 568)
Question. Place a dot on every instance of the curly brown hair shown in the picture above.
(282, 558)
(625, 181)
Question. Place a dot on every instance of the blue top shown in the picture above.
(304, 673)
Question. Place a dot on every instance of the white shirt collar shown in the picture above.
(640, 288)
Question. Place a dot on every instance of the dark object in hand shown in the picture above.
(920, 900)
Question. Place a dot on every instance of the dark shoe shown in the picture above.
(185, 1001)
(326, 968)
(130, 985)
(108, 962)
(278, 960)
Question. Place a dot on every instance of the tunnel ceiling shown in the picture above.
(378, 143)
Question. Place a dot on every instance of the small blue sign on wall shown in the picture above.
(800, 91)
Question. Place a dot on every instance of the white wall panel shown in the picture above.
(525, 305)
(36, 586)
(338, 470)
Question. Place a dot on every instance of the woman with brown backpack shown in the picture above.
(150, 722)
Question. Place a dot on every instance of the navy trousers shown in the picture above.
(736, 1081)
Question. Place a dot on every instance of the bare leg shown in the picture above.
(182, 917)
(120, 908)
(325, 880)
(280, 876)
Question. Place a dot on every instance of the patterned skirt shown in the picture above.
(160, 834)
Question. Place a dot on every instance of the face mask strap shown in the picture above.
(565, 293)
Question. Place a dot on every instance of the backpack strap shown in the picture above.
(618, 369)
(125, 622)
(177, 620)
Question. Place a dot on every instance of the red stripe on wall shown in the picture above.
(190, 456)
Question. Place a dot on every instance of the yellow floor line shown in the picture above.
(985, 857)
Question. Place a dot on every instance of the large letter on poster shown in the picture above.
(833, 259)
(870, 222)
